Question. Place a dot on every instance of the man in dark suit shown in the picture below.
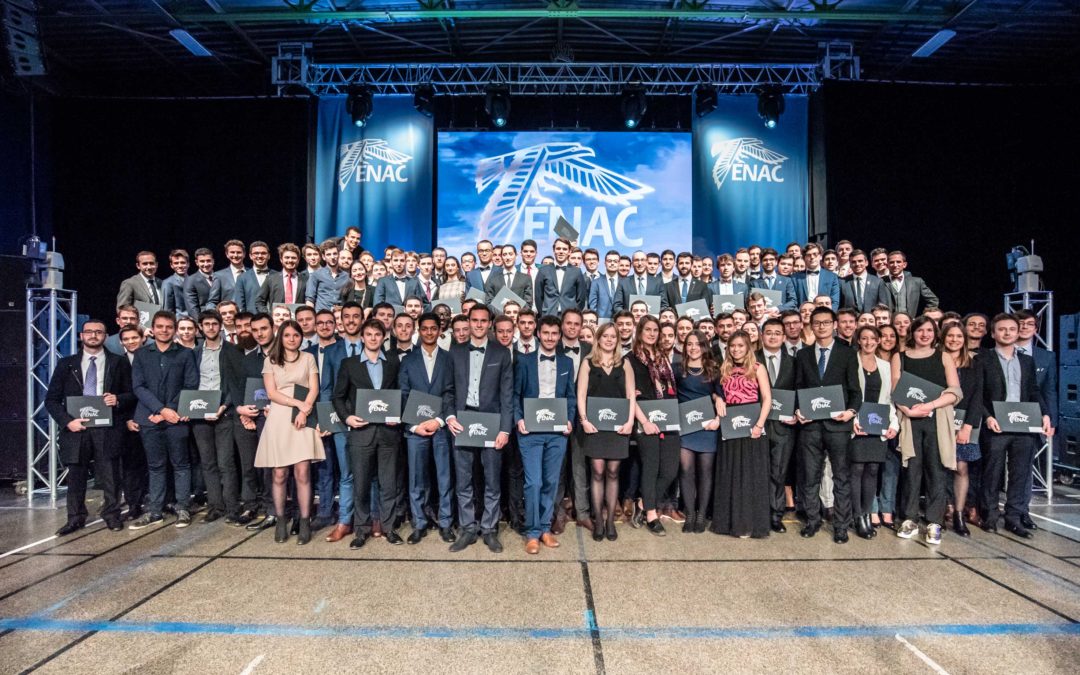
(815, 280)
(771, 279)
(825, 363)
(907, 293)
(92, 371)
(602, 292)
(203, 289)
(161, 370)
(286, 286)
(575, 473)
(484, 382)
(560, 286)
(862, 290)
(726, 283)
(639, 282)
(144, 286)
(1046, 379)
(427, 369)
(327, 342)
(395, 287)
(250, 282)
(255, 495)
(478, 276)
(231, 273)
(1008, 376)
(133, 457)
(547, 375)
(372, 446)
(685, 288)
(781, 369)
(519, 283)
(172, 289)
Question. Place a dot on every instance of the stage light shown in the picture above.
(359, 104)
(934, 43)
(497, 105)
(705, 99)
(633, 104)
(770, 105)
(424, 99)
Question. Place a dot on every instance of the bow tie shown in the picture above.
(474, 348)
(403, 352)
(485, 269)
(576, 350)
(626, 345)
(547, 358)
(811, 273)
(560, 267)
(402, 279)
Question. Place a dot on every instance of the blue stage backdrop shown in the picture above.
(378, 178)
(619, 190)
(750, 182)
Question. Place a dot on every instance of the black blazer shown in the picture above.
(698, 290)
(520, 284)
(232, 374)
(993, 382)
(842, 369)
(874, 293)
(67, 380)
(496, 382)
(353, 375)
(785, 379)
(273, 291)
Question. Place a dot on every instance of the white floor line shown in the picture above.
(922, 656)
(251, 666)
(1056, 522)
(41, 541)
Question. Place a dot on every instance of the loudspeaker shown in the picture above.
(22, 38)
(1067, 442)
(12, 394)
(1068, 346)
(1069, 391)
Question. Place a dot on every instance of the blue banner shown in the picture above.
(751, 183)
(623, 190)
(378, 178)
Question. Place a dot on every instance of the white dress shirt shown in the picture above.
(546, 374)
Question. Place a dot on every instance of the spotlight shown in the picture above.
(770, 105)
(633, 104)
(358, 104)
(424, 99)
(705, 99)
(497, 105)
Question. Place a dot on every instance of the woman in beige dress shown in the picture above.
(286, 442)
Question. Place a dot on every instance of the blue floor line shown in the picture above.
(504, 633)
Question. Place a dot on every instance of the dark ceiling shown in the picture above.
(123, 47)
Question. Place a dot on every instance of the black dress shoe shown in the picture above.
(959, 526)
(114, 524)
(212, 515)
(656, 527)
(809, 531)
(840, 536)
(778, 526)
(491, 539)
(416, 536)
(69, 527)
(245, 517)
(295, 529)
(358, 542)
(863, 528)
(1019, 530)
(133, 513)
(257, 522)
(988, 526)
(467, 539)
(827, 513)
(392, 537)
(1027, 522)
(319, 522)
(447, 535)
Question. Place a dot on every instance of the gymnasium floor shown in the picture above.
(216, 599)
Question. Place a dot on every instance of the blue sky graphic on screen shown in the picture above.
(619, 190)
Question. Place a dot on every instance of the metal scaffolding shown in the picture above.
(1041, 304)
(50, 336)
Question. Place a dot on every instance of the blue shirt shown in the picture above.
(374, 369)
(1011, 368)
(324, 289)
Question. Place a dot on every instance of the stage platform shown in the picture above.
(217, 599)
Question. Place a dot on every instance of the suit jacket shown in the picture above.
(200, 295)
(159, 377)
(917, 294)
(273, 291)
(736, 286)
(828, 284)
(628, 287)
(601, 299)
(842, 369)
(874, 293)
(551, 299)
(353, 375)
(496, 394)
(67, 380)
(520, 284)
(387, 291)
(698, 291)
(785, 379)
(884, 369)
(994, 382)
(782, 284)
(473, 278)
(1046, 378)
(172, 295)
(228, 282)
(230, 365)
(134, 289)
(413, 375)
(332, 358)
(527, 383)
(246, 292)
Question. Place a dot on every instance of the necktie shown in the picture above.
(772, 369)
(153, 292)
(90, 383)
(1022, 350)
(526, 347)
(771, 280)
(508, 280)
(685, 285)
(823, 354)
(858, 292)
(427, 289)
(528, 270)
(547, 358)
(288, 289)
(641, 288)
(611, 287)
(352, 349)
(474, 348)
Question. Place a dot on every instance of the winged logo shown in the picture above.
(425, 411)
(88, 412)
(528, 175)
(737, 151)
(606, 415)
(477, 429)
(1017, 417)
(198, 404)
(874, 419)
(334, 419)
(694, 416)
(352, 156)
(777, 405)
(657, 416)
(377, 406)
(820, 403)
(917, 394)
(545, 415)
(740, 422)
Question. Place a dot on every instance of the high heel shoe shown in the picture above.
(862, 527)
(612, 534)
(691, 522)
(598, 530)
(304, 535)
(281, 530)
(959, 526)
(699, 523)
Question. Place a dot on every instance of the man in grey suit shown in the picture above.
(202, 290)
(508, 276)
(685, 288)
(250, 281)
(144, 286)
(230, 274)
(862, 290)
(286, 286)
(639, 280)
(907, 293)
(395, 287)
(172, 289)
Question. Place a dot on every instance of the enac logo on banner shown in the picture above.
(732, 161)
(356, 160)
(523, 180)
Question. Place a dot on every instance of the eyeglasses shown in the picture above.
(93, 332)
(821, 324)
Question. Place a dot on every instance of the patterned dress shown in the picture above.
(741, 488)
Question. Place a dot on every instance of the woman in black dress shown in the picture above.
(955, 343)
(358, 290)
(654, 381)
(605, 374)
(697, 376)
(869, 452)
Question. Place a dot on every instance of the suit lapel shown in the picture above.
(76, 368)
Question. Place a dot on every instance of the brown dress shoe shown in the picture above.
(586, 523)
(532, 547)
(627, 510)
(549, 540)
(949, 510)
(558, 526)
(973, 516)
(339, 532)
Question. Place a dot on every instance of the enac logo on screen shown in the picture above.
(526, 180)
(371, 160)
(746, 160)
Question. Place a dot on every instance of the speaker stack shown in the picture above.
(1067, 441)
(22, 38)
(14, 271)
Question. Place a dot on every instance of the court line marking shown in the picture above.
(922, 656)
(255, 662)
(44, 541)
(1056, 522)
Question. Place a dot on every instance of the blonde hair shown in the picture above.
(595, 355)
(749, 363)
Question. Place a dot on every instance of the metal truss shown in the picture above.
(1041, 304)
(292, 68)
(50, 336)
